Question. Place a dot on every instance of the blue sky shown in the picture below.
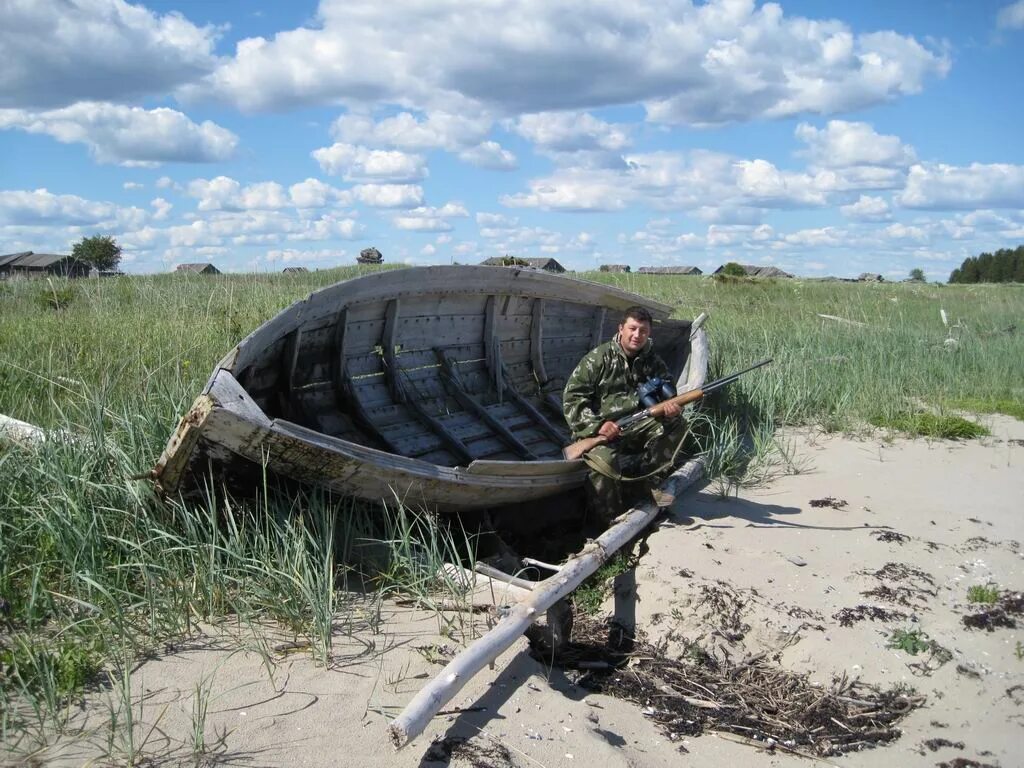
(825, 139)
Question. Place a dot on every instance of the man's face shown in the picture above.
(633, 335)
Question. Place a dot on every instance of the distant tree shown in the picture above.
(917, 274)
(100, 251)
(734, 270)
(1003, 266)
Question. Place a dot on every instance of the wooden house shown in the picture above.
(31, 264)
(548, 265)
(670, 271)
(202, 268)
(755, 271)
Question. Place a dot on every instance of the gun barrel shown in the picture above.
(733, 376)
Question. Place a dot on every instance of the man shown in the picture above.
(602, 389)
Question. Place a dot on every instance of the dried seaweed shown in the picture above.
(492, 755)
(754, 699)
(963, 762)
(1009, 605)
(891, 536)
(900, 595)
(726, 606)
(847, 617)
(901, 572)
(828, 501)
(934, 745)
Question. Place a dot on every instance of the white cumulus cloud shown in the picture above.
(225, 194)
(56, 52)
(694, 63)
(867, 208)
(355, 163)
(939, 186)
(389, 195)
(428, 219)
(490, 155)
(843, 144)
(40, 206)
(128, 135)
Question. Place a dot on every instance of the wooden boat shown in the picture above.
(436, 386)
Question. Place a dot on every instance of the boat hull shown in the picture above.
(326, 392)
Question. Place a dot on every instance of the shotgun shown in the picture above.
(580, 447)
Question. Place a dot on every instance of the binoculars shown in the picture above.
(654, 391)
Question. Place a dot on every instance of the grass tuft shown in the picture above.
(942, 426)
(589, 596)
(985, 594)
(1005, 406)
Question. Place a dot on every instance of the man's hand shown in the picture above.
(670, 409)
(609, 430)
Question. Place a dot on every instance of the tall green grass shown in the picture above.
(95, 572)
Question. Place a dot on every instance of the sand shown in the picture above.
(788, 568)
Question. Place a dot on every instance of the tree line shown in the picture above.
(1003, 266)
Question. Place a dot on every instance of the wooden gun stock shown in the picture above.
(579, 449)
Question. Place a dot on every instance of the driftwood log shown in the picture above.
(414, 718)
(21, 432)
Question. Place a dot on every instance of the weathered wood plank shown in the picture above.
(452, 378)
(289, 360)
(537, 341)
(400, 392)
(597, 327)
(543, 423)
(338, 351)
(492, 344)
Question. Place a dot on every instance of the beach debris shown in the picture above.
(1001, 614)
(752, 699)
(980, 542)
(490, 754)
(843, 320)
(796, 560)
(967, 671)
(919, 581)
(828, 501)
(905, 596)
(963, 762)
(934, 745)
(891, 536)
(723, 609)
(847, 617)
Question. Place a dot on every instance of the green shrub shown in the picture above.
(942, 426)
(56, 297)
(986, 594)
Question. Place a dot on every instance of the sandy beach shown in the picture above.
(912, 523)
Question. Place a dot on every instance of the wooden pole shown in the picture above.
(414, 718)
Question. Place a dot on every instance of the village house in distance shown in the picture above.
(548, 265)
(200, 268)
(754, 271)
(670, 271)
(30, 264)
(370, 256)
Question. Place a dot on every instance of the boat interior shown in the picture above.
(447, 378)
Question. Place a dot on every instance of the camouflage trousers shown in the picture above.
(644, 447)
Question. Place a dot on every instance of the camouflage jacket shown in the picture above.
(603, 386)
